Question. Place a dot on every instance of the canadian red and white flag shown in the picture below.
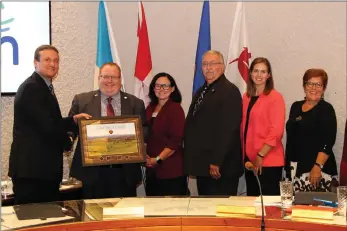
(237, 64)
(143, 66)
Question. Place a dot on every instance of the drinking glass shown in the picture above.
(286, 188)
(342, 200)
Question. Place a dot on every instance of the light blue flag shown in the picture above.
(204, 44)
(106, 44)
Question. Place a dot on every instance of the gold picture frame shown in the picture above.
(111, 140)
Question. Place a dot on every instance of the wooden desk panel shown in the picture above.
(190, 224)
(141, 224)
(252, 224)
(227, 228)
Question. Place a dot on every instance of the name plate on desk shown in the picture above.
(302, 211)
(112, 140)
(232, 209)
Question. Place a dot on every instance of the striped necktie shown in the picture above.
(51, 88)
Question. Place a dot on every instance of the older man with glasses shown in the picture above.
(108, 180)
(212, 134)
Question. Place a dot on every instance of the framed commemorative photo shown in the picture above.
(111, 140)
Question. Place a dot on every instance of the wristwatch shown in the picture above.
(158, 160)
(319, 165)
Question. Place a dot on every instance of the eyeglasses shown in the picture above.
(107, 77)
(48, 60)
(311, 85)
(163, 86)
(212, 64)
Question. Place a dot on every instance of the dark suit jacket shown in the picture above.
(212, 135)
(39, 132)
(309, 133)
(167, 132)
(90, 103)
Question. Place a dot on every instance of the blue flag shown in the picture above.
(106, 50)
(103, 50)
(204, 44)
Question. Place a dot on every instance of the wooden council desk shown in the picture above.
(189, 224)
(81, 219)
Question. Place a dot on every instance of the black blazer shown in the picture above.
(309, 133)
(90, 103)
(39, 132)
(212, 135)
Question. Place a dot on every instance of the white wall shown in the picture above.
(294, 36)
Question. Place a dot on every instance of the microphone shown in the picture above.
(250, 167)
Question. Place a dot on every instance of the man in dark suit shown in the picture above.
(108, 180)
(39, 133)
(212, 134)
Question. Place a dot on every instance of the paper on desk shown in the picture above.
(123, 213)
(157, 206)
(269, 200)
(207, 206)
(10, 220)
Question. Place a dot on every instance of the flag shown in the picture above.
(237, 65)
(343, 166)
(204, 44)
(106, 50)
(143, 66)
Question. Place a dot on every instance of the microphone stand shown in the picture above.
(262, 204)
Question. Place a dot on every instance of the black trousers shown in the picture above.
(110, 184)
(223, 186)
(27, 190)
(269, 180)
(177, 186)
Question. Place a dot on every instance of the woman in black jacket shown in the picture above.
(311, 133)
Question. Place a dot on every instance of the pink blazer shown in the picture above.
(265, 126)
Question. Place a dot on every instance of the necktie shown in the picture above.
(199, 100)
(110, 110)
(51, 88)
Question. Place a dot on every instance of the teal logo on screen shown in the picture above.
(9, 39)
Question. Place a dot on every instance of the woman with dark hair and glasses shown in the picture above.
(311, 133)
(166, 119)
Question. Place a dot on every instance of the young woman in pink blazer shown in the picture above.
(262, 129)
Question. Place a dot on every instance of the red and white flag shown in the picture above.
(237, 64)
(143, 66)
